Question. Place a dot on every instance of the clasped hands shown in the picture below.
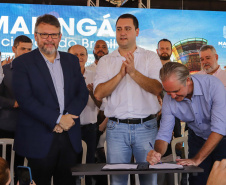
(154, 157)
(128, 65)
(66, 122)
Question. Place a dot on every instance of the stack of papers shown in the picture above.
(166, 166)
(120, 166)
(142, 166)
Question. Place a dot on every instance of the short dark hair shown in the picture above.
(165, 40)
(48, 19)
(129, 16)
(21, 38)
(4, 171)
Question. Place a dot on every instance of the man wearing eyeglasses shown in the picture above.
(52, 93)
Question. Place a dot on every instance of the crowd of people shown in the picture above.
(50, 101)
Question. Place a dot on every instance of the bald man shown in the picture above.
(88, 117)
(100, 49)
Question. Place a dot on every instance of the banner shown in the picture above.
(186, 29)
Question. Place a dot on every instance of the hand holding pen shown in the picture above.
(153, 157)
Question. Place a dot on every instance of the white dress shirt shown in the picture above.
(129, 100)
(92, 67)
(220, 74)
(89, 114)
(1, 74)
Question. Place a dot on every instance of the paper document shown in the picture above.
(166, 166)
(119, 166)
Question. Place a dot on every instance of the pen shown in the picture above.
(153, 149)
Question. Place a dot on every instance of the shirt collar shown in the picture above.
(196, 87)
(218, 71)
(117, 54)
(214, 74)
(46, 60)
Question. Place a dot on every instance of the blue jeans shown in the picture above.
(123, 140)
(195, 143)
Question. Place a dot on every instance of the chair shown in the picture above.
(173, 147)
(137, 182)
(4, 143)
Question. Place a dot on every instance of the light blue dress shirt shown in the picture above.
(1, 72)
(56, 73)
(204, 113)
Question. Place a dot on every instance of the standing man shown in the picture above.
(199, 100)
(88, 117)
(9, 106)
(129, 78)
(164, 50)
(1, 71)
(209, 63)
(100, 49)
(51, 92)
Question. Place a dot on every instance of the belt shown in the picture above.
(88, 125)
(134, 120)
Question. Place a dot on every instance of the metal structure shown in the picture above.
(187, 52)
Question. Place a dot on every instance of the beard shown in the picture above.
(208, 68)
(164, 56)
(97, 57)
(48, 51)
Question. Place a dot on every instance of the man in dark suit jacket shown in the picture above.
(9, 106)
(51, 93)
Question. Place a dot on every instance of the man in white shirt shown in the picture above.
(209, 63)
(129, 78)
(100, 49)
(88, 117)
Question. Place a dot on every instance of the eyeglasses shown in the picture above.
(46, 35)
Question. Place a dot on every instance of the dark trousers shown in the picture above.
(89, 135)
(57, 163)
(195, 143)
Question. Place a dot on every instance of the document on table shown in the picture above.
(120, 166)
(166, 166)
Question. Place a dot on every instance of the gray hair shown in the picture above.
(174, 68)
(206, 47)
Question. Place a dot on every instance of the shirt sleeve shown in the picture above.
(103, 105)
(101, 73)
(218, 110)
(1, 74)
(167, 121)
(154, 66)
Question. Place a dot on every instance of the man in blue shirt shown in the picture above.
(199, 100)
